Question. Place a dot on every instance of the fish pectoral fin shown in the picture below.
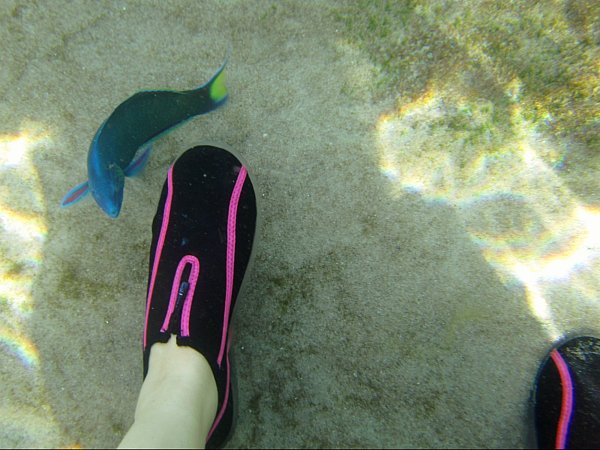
(138, 164)
(75, 194)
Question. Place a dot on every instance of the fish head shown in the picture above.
(108, 190)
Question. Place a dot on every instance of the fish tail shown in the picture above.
(216, 86)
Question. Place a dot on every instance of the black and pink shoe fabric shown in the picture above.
(566, 395)
(203, 234)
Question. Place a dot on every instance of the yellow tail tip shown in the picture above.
(218, 90)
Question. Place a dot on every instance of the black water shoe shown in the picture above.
(203, 234)
(566, 395)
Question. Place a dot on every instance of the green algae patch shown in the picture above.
(480, 48)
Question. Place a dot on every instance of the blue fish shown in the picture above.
(122, 144)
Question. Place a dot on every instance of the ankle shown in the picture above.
(169, 361)
(182, 375)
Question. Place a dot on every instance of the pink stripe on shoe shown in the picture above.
(187, 306)
(230, 263)
(159, 247)
(566, 410)
(225, 397)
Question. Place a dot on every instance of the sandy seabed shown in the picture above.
(427, 233)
